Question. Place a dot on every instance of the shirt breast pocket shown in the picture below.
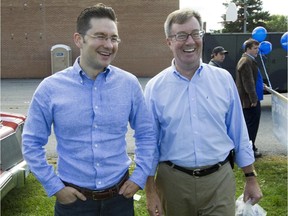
(212, 109)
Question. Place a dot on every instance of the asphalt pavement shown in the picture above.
(16, 95)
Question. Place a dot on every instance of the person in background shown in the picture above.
(249, 83)
(198, 117)
(218, 56)
(89, 105)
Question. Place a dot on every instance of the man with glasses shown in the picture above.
(89, 106)
(198, 118)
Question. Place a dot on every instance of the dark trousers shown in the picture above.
(116, 206)
(252, 117)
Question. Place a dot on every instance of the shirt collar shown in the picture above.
(216, 63)
(178, 74)
(81, 73)
(250, 56)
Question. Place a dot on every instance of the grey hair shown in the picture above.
(179, 17)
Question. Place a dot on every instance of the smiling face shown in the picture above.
(96, 53)
(187, 53)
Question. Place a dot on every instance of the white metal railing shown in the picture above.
(279, 110)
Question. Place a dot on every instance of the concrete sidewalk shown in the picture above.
(16, 95)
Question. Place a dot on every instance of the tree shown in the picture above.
(277, 23)
(254, 16)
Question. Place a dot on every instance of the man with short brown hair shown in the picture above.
(89, 106)
(249, 83)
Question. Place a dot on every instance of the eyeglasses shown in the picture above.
(102, 37)
(183, 36)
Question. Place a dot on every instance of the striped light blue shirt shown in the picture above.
(198, 121)
(90, 119)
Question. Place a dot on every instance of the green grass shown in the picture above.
(31, 200)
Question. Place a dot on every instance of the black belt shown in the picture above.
(198, 172)
(103, 194)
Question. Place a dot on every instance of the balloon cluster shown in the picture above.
(259, 34)
(265, 47)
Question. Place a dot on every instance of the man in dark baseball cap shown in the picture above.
(218, 56)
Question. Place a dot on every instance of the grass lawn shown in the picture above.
(31, 200)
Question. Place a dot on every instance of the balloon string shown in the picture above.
(265, 71)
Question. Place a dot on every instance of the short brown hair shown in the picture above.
(97, 11)
(249, 43)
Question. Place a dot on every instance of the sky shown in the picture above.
(212, 10)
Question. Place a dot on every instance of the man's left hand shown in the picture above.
(128, 189)
(252, 190)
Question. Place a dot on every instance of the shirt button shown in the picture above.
(95, 126)
(96, 145)
(99, 182)
(95, 88)
(96, 107)
(98, 164)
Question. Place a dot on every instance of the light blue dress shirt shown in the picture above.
(90, 119)
(198, 121)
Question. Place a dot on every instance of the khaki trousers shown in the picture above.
(185, 195)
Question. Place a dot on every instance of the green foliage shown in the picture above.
(31, 200)
(277, 23)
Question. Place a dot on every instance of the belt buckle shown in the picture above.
(95, 195)
(196, 173)
(113, 192)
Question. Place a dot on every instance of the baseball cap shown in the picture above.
(219, 49)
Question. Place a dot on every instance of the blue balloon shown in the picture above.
(243, 46)
(284, 41)
(265, 47)
(259, 33)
